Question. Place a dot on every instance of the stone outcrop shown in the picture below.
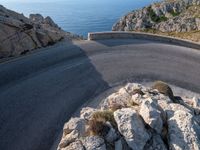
(19, 34)
(168, 16)
(148, 121)
(130, 125)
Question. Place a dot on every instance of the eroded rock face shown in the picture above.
(87, 112)
(183, 131)
(152, 115)
(73, 130)
(165, 16)
(19, 34)
(155, 143)
(77, 145)
(130, 125)
(119, 98)
(156, 123)
(94, 143)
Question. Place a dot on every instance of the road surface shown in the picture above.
(40, 91)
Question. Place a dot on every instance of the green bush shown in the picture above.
(173, 13)
(154, 17)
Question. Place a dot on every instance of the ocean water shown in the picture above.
(78, 16)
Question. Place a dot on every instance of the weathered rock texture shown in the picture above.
(19, 34)
(168, 16)
(145, 120)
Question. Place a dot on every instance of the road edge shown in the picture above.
(139, 35)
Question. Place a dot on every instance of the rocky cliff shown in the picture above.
(19, 34)
(138, 118)
(179, 18)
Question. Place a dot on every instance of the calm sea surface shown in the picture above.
(80, 16)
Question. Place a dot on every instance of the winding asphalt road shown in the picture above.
(39, 92)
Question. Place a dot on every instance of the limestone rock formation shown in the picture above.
(19, 34)
(148, 121)
(130, 125)
(168, 16)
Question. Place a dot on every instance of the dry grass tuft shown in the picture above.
(105, 115)
(115, 106)
(164, 88)
(98, 127)
(98, 123)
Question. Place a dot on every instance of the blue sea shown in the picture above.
(78, 16)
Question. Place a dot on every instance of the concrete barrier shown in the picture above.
(145, 36)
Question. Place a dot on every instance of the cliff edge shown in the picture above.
(178, 18)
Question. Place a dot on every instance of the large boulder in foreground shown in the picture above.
(152, 115)
(19, 34)
(153, 122)
(183, 131)
(130, 125)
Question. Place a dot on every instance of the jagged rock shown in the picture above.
(86, 112)
(75, 124)
(183, 130)
(118, 145)
(121, 98)
(164, 16)
(77, 145)
(136, 98)
(132, 128)
(152, 115)
(155, 143)
(36, 18)
(94, 143)
(20, 34)
(196, 102)
(197, 119)
(49, 21)
(111, 136)
(68, 139)
(130, 87)
(72, 130)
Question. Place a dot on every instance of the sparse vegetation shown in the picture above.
(173, 13)
(164, 88)
(115, 106)
(98, 127)
(154, 17)
(193, 35)
(105, 116)
(98, 123)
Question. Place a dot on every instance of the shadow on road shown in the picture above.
(39, 93)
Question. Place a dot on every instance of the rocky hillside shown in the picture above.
(19, 34)
(138, 118)
(179, 18)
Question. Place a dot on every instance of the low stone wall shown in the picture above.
(145, 36)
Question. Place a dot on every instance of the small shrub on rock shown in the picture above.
(98, 124)
(164, 88)
(98, 127)
(105, 116)
(115, 106)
